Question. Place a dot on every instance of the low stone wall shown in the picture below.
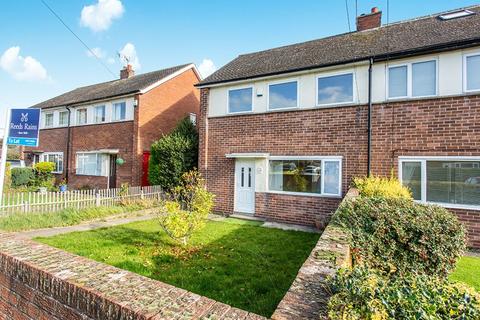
(308, 296)
(40, 282)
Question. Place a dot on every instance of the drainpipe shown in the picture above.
(67, 158)
(369, 118)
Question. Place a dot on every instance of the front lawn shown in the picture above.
(468, 271)
(232, 261)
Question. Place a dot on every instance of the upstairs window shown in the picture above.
(99, 114)
(63, 118)
(240, 100)
(417, 79)
(335, 89)
(82, 116)
(472, 72)
(283, 95)
(119, 111)
(48, 122)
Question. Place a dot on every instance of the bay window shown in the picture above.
(449, 181)
(91, 164)
(56, 158)
(308, 175)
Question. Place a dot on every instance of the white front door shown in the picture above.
(245, 186)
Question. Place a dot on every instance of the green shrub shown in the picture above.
(366, 294)
(187, 208)
(398, 234)
(22, 177)
(381, 187)
(173, 155)
(44, 176)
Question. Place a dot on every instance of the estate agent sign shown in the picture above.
(23, 127)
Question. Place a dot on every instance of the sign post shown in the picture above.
(21, 129)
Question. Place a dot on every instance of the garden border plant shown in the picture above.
(402, 253)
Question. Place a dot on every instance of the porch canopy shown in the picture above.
(247, 155)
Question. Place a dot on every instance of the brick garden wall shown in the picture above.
(38, 282)
(440, 127)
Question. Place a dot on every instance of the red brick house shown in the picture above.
(100, 135)
(283, 131)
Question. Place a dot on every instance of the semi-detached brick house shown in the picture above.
(87, 132)
(283, 131)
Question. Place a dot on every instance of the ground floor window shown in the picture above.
(55, 157)
(310, 175)
(92, 164)
(453, 181)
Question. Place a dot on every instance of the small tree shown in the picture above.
(173, 155)
(187, 207)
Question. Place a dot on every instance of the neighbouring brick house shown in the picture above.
(284, 131)
(88, 132)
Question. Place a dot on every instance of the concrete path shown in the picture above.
(92, 225)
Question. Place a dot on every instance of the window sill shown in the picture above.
(451, 205)
(305, 194)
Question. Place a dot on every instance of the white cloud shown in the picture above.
(99, 17)
(96, 52)
(22, 68)
(207, 67)
(129, 56)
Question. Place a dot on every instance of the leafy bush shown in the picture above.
(381, 187)
(399, 234)
(366, 294)
(187, 208)
(173, 155)
(22, 177)
(43, 175)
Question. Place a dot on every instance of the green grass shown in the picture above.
(67, 217)
(468, 271)
(232, 261)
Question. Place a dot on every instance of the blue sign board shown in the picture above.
(23, 127)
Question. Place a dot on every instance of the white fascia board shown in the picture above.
(173, 75)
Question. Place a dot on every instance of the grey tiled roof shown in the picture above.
(393, 40)
(109, 89)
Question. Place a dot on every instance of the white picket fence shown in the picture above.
(29, 202)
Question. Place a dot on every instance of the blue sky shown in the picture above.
(39, 58)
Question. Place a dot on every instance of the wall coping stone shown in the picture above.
(99, 291)
(308, 296)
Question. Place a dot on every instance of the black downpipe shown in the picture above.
(369, 118)
(67, 158)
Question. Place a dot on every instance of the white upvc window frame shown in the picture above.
(240, 88)
(464, 71)
(103, 170)
(96, 107)
(409, 66)
(333, 74)
(423, 161)
(46, 154)
(339, 159)
(59, 118)
(45, 119)
(283, 81)
(114, 111)
(77, 116)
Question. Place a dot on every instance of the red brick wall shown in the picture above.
(160, 109)
(89, 138)
(446, 126)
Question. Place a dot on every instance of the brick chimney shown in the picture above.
(127, 72)
(370, 21)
